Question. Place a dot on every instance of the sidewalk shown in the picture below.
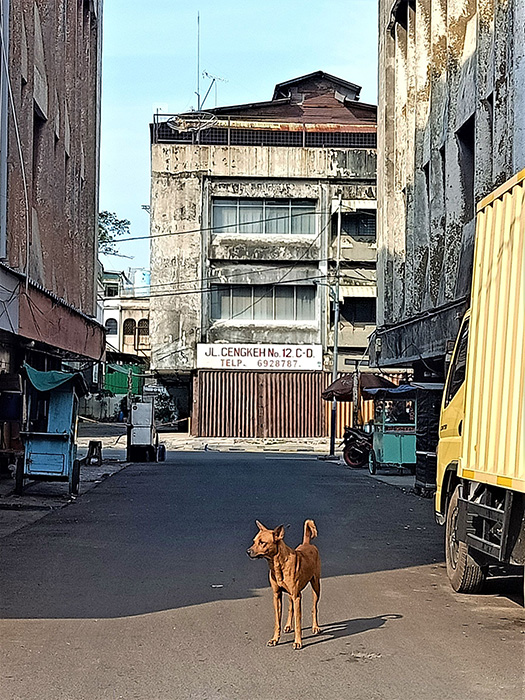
(41, 497)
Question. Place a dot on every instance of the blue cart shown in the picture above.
(394, 429)
(51, 426)
(405, 430)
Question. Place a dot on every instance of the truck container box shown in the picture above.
(494, 429)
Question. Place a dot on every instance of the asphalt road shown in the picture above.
(142, 589)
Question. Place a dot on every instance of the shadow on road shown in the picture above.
(345, 628)
(168, 535)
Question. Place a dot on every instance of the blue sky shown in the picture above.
(149, 62)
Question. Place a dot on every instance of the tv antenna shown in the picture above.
(214, 79)
(204, 74)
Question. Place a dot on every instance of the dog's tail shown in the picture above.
(310, 531)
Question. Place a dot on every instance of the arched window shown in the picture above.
(129, 326)
(111, 326)
(143, 326)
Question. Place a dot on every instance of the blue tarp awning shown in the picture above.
(47, 381)
(404, 390)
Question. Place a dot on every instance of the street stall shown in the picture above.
(348, 390)
(405, 429)
(49, 434)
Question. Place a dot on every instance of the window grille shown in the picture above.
(358, 224)
(143, 327)
(129, 326)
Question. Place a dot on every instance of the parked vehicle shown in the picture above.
(480, 495)
(357, 446)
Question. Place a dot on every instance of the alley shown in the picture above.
(142, 589)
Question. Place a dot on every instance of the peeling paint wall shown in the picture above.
(450, 129)
(185, 179)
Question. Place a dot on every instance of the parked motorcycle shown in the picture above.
(357, 447)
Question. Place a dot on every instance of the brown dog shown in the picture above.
(290, 571)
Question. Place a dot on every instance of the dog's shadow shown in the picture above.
(346, 628)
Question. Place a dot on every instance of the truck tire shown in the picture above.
(464, 572)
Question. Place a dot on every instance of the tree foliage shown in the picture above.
(110, 229)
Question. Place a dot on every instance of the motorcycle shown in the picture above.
(357, 447)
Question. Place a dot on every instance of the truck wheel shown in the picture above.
(464, 573)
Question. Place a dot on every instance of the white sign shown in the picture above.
(248, 356)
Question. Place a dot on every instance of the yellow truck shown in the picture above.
(480, 495)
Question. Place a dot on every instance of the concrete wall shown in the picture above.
(54, 59)
(448, 76)
(185, 178)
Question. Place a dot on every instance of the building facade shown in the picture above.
(49, 152)
(126, 312)
(251, 208)
(451, 129)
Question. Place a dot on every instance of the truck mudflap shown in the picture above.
(491, 521)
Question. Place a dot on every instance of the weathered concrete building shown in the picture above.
(451, 128)
(126, 312)
(49, 141)
(244, 223)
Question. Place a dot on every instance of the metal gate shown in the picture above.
(258, 404)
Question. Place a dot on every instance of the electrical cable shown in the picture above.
(215, 278)
(226, 226)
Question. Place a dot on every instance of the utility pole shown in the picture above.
(335, 297)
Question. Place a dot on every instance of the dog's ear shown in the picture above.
(279, 532)
(260, 525)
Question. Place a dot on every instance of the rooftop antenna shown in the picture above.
(214, 79)
(198, 61)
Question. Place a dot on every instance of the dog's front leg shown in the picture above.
(289, 620)
(297, 621)
(277, 608)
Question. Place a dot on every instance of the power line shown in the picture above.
(226, 226)
(221, 280)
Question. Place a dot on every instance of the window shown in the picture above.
(466, 143)
(111, 326)
(359, 310)
(263, 302)
(264, 216)
(111, 290)
(458, 368)
(129, 327)
(143, 327)
(358, 224)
